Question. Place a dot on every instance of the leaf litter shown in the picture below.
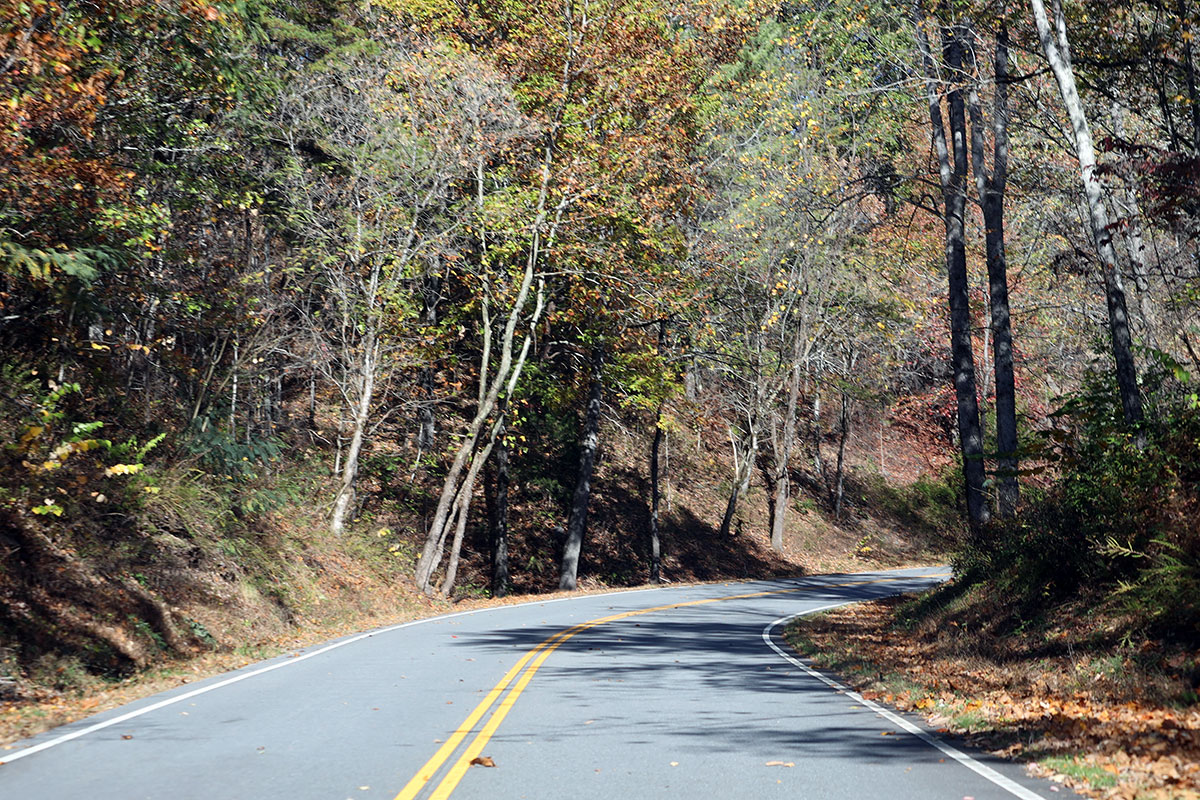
(1099, 737)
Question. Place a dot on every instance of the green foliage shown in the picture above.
(929, 506)
(138, 451)
(223, 454)
(1118, 516)
(46, 266)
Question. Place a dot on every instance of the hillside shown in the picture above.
(234, 586)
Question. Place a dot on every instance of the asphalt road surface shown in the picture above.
(670, 692)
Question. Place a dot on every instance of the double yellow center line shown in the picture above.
(526, 668)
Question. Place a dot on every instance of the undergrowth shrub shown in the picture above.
(927, 508)
(1121, 516)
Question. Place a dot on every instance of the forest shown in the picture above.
(450, 299)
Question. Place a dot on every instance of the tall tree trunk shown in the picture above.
(508, 371)
(779, 481)
(590, 442)
(426, 431)
(818, 464)
(991, 186)
(840, 480)
(655, 494)
(344, 500)
(780, 494)
(501, 582)
(1135, 244)
(505, 379)
(464, 511)
(953, 173)
(1056, 47)
(745, 453)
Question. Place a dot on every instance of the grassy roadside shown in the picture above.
(1111, 716)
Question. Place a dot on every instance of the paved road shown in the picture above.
(671, 692)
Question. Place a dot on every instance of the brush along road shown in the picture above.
(670, 692)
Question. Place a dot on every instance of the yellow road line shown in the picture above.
(423, 776)
(538, 656)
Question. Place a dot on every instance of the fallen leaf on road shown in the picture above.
(126, 736)
(483, 761)
(781, 764)
(674, 763)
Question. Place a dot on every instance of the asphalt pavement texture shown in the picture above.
(681, 692)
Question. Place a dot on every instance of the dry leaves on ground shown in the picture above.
(1031, 710)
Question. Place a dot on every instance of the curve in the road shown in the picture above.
(538, 655)
(647, 697)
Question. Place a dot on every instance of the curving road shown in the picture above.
(669, 692)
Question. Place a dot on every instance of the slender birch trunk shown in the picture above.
(1056, 48)
(344, 500)
(463, 504)
(506, 375)
(818, 464)
(745, 451)
(501, 581)
(1135, 244)
(655, 493)
(780, 482)
(510, 368)
(839, 493)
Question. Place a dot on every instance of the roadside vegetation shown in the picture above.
(1069, 638)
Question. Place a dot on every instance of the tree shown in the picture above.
(952, 162)
(991, 184)
(1056, 48)
(376, 140)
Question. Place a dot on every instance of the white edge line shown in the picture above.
(8, 758)
(1009, 785)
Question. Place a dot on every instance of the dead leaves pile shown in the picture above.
(1022, 711)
